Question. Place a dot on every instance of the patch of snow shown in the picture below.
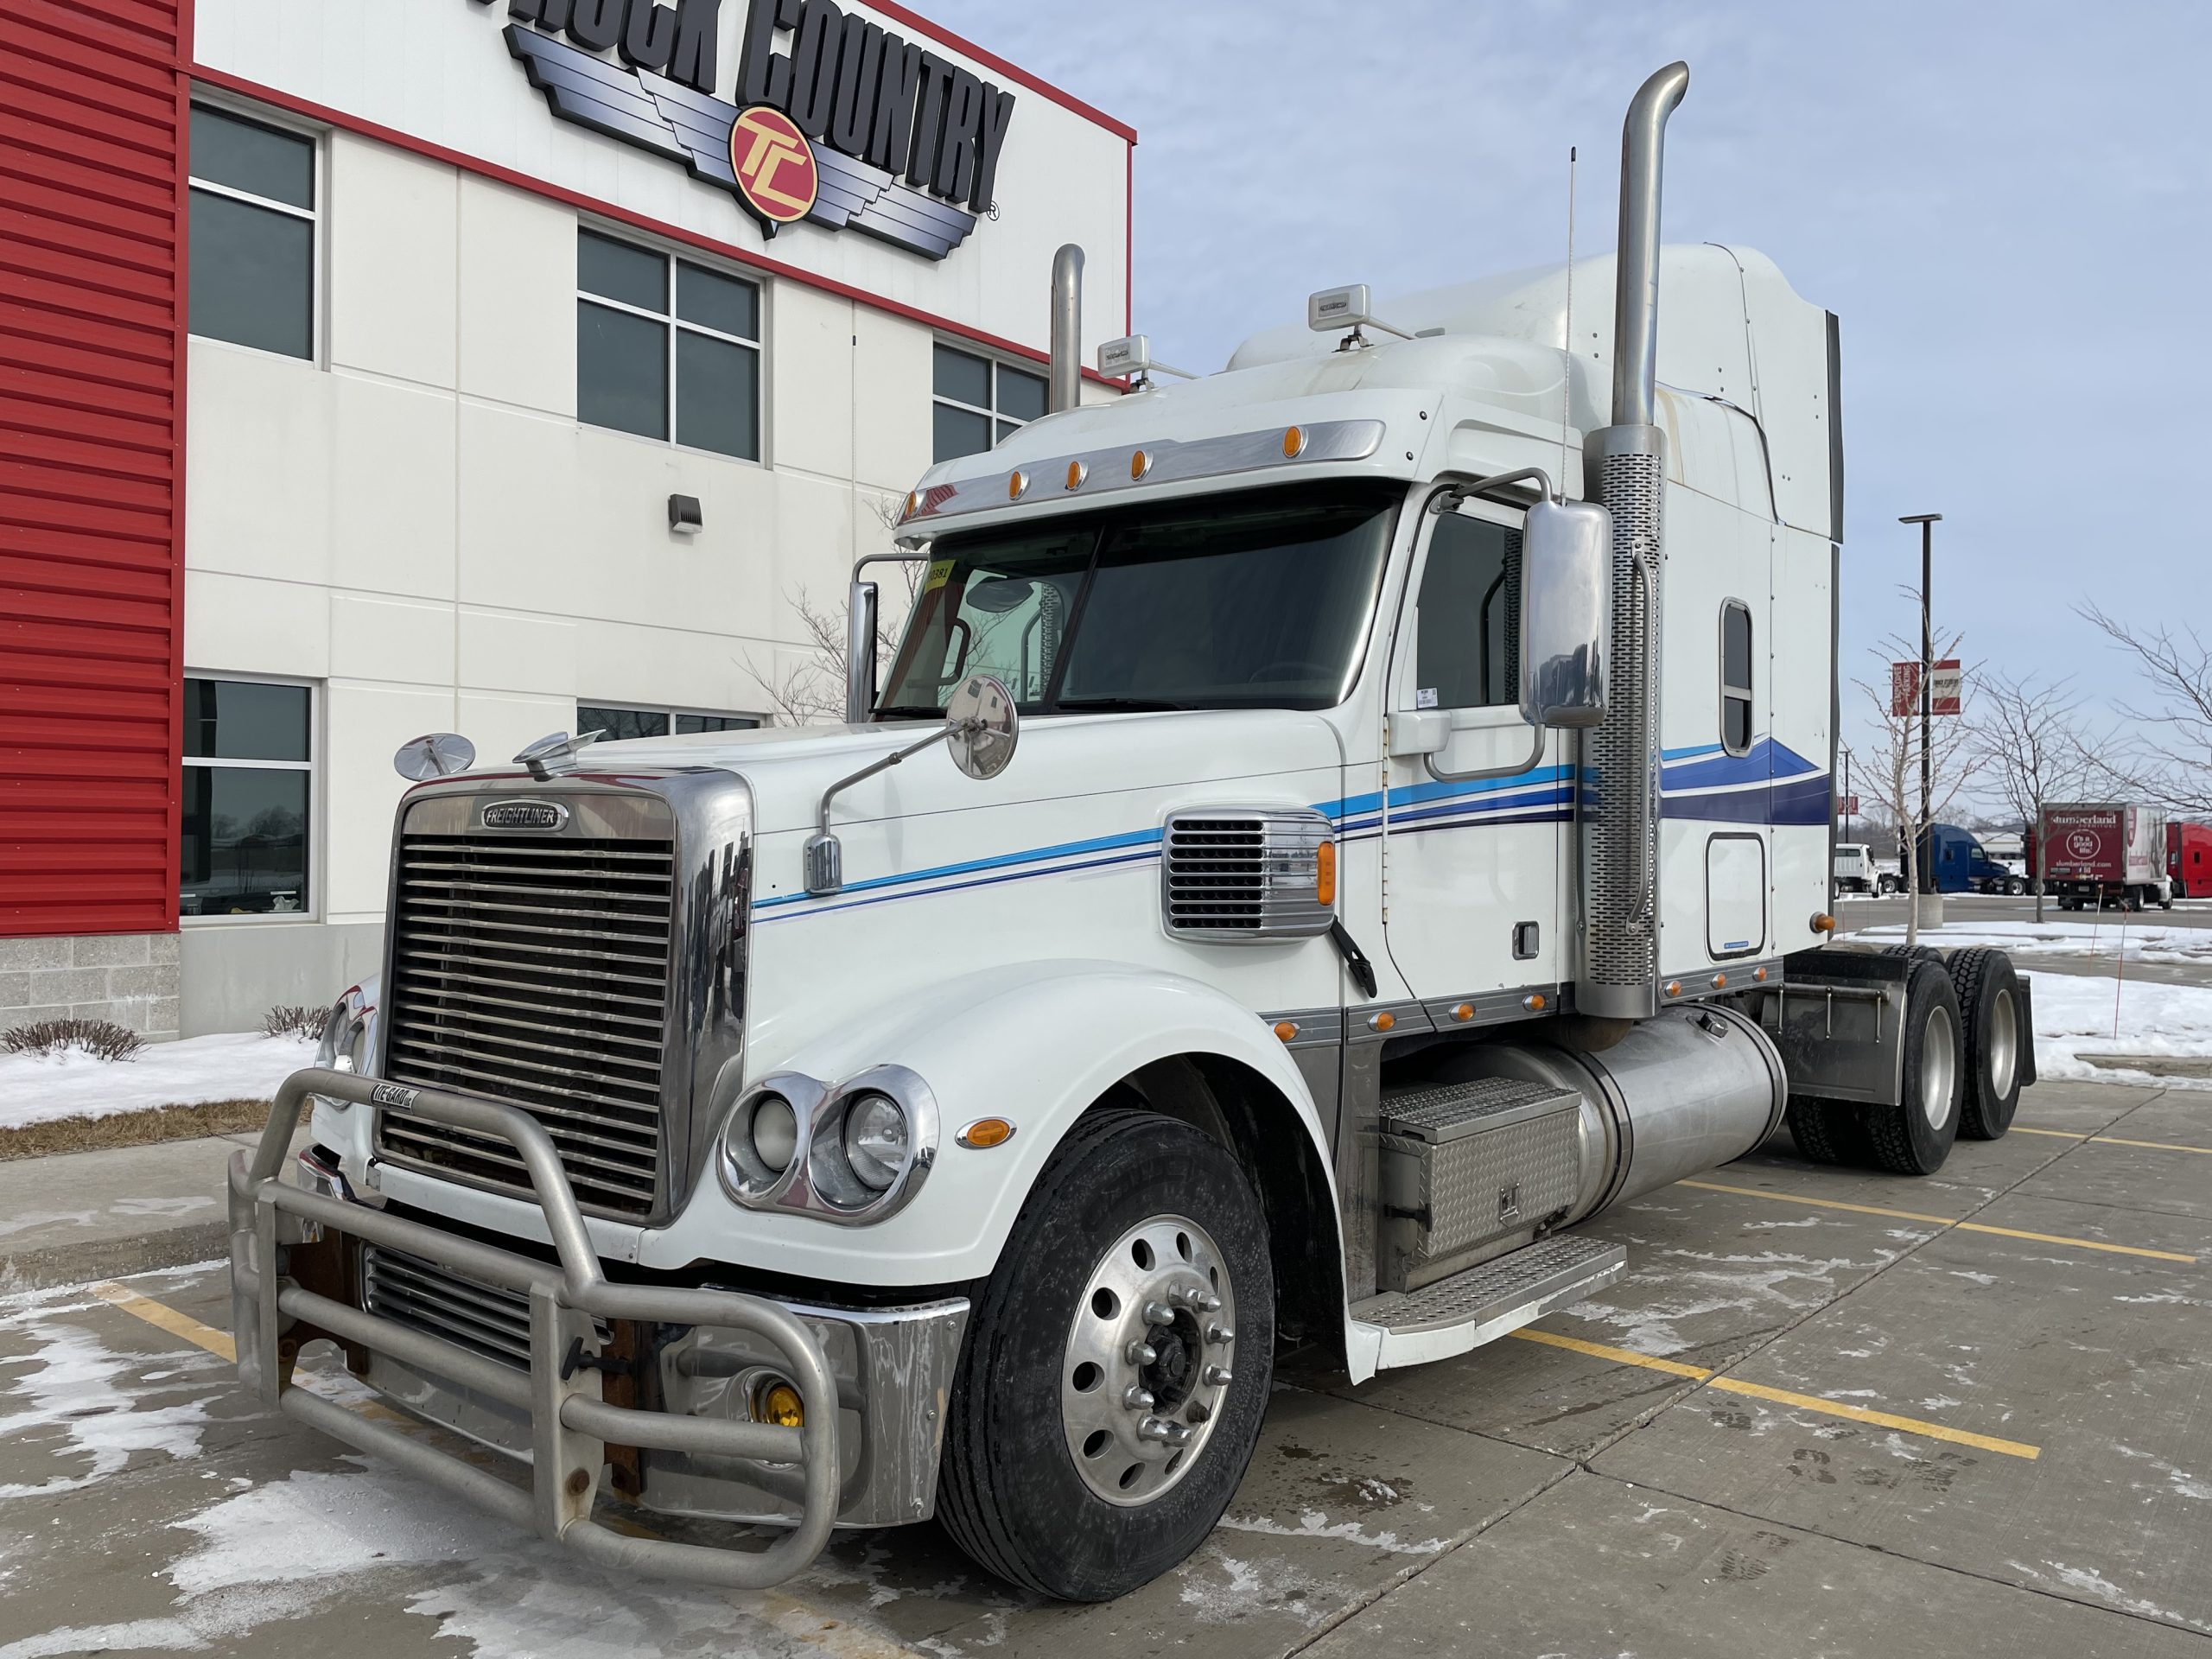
(229, 1066)
(1313, 1523)
(2076, 1016)
(2086, 1581)
(2143, 941)
(75, 1383)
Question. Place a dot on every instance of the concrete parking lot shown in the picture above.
(1829, 1412)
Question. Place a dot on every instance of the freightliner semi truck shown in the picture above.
(1326, 832)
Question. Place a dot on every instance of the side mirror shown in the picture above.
(860, 651)
(1567, 613)
(435, 754)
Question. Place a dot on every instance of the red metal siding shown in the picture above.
(93, 107)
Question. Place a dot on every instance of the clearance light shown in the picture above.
(1759, 974)
(1674, 988)
(985, 1133)
(913, 504)
(777, 1402)
(1823, 923)
(1016, 483)
(1325, 873)
(1285, 1029)
(1293, 442)
(1077, 472)
(1533, 1002)
(1720, 982)
(1383, 1022)
(1140, 464)
(1465, 1011)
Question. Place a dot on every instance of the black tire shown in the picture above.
(1988, 991)
(2017, 889)
(1827, 1131)
(1008, 1490)
(1915, 1136)
(1917, 952)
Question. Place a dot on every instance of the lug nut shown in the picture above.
(1217, 1376)
(1167, 1434)
(1137, 1397)
(1159, 1313)
(1220, 1335)
(1140, 1353)
(1197, 1412)
(1206, 1302)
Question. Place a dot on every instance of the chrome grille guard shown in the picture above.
(570, 1423)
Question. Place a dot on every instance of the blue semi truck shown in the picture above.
(1961, 863)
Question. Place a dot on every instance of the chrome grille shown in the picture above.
(1232, 877)
(488, 1319)
(535, 971)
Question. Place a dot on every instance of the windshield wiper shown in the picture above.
(1125, 705)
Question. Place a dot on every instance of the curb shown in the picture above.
(112, 1257)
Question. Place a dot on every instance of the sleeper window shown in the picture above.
(1468, 644)
(1735, 676)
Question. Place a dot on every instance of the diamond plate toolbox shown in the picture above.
(1466, 1163)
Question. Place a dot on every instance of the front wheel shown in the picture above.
(1116, 1368)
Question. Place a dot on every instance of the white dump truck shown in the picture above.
(1330, 827)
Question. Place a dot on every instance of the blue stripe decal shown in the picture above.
(1103, 843)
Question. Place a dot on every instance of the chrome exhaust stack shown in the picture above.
(1619, 798)
(1064, 388)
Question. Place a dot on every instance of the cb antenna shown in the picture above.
(1566, 334)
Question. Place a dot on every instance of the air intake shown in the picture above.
(1247, 876)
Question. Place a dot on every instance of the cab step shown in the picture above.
(1486, 1302)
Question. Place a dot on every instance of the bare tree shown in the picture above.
(1891, 761)
(2167, 757)
(2027, 732)
(812, 691)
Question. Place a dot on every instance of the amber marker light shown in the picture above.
(1383, 1022)
(985, 1133)
(1533, 1002)
(1324, 874)
(1674, 988)
(913, 504)
(777, 1402)
(1016, 482)
(1140, 464)
(1465, 1011)
(1077, 472)
(1720, 982)
(1285, 1029)
(1823, 923)
(1293, 442)
(1759, 974)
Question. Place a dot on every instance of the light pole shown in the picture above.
(1924, 834)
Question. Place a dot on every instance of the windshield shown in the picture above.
(1256, 600)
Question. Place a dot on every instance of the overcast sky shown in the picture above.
(2009, 206)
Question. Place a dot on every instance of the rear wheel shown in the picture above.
(1827, 1131)
(1915, 1136)
(1097, 1427)
(1988, 990)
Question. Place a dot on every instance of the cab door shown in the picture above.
(1474, 832)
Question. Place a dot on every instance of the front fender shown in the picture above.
(1035, 1044)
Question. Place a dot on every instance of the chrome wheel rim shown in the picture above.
(1145, 1371)
(2004, 1043)
(1939, 1052)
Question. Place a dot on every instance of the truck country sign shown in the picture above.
(836, 121)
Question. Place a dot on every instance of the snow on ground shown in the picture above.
(2143, 940)
(2074, 1016)
(232, 1065)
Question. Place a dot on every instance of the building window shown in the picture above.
(614, 721)
(1735, 676)
(253, 230)
(249, 774)
(1468, 641)
(660, 358)
(979, 402)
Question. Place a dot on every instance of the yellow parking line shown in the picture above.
(794, 1617)
(2113, 1140)
(1784, 1396)
(1943, 1221)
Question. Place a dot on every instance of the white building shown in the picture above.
(455, 353)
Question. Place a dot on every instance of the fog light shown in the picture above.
(777, 1402)
(775, 1133)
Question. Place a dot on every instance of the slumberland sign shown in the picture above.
(836, 121)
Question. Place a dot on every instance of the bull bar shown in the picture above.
(570, 1422)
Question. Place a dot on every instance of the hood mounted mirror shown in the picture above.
(982, 726)
(555, 754)
(434, 754)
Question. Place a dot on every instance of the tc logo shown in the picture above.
(774, 165)
(2083, 843)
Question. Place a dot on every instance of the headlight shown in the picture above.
(875, 1140)
(775, 1133)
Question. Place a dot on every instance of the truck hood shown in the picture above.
(1059, 757)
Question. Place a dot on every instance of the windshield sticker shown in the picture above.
(940, 573)
(1426, 697)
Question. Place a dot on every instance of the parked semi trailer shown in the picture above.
(2104, 856)
(1309, 851)
(2189, 860)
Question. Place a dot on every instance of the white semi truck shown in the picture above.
(1325, 833)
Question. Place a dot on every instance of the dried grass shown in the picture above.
(139, 1129)
(98, 1038)
(287, 1021)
